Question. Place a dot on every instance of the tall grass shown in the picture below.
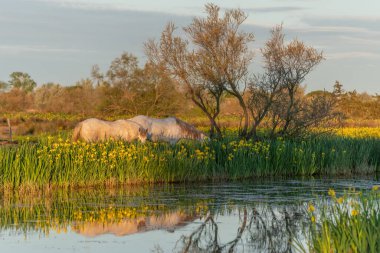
(350, 223)
(59, 162)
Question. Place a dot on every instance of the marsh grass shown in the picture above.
(348, 223)
(56, 161)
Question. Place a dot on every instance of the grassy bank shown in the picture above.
(59, 162)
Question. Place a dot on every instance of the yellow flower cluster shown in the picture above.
(204, 154)
(358, 132)
(106, 154)
(250, 147)
(112, 214)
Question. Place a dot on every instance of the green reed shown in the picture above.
(56, 161)
(349, 223)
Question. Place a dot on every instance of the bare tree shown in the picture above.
(278, 94)
(213, 59)
(266, 88)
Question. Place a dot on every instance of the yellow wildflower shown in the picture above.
(331, 192)
(375, 187)
(311, 208)
(354, 212)
(312, 219)
(340, 200)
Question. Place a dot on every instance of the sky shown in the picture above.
(60, 40)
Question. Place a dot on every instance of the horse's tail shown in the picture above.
(188, 130)
(77, 132)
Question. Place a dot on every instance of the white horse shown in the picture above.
(169, 129)
(91, 130)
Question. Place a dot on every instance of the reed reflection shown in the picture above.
(95, 212)
(262, 228)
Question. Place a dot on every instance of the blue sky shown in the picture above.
(60, 40)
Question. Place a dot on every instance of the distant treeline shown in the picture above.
(125, 89)
(143, 91)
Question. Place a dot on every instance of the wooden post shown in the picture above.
(9, 129)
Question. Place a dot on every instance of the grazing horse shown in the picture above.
(169, 221)
(91, 130)
(168, 129)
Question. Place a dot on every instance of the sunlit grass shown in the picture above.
(56, 161)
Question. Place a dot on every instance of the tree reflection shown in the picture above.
(261, 229)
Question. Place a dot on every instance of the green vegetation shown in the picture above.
(58, 162)
(350, 223)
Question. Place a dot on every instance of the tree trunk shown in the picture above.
(213, 124)
(243, 132)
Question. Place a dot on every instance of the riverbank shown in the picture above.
(57, 162)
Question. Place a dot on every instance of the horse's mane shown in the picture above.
(188, 130)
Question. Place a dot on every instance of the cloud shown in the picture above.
(274, 9)
(354, 23)
(353, 55)
(90, 5)
(120, 6)
(18, 49)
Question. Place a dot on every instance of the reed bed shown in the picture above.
(54, 161)
(347, 223)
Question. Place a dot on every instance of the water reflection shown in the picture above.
(264, 216)
(261, 228)
(168, 221)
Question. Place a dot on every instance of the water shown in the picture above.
(255, 216)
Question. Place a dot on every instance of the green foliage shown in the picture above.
(59, 162)
(350, 223)
(22, 81)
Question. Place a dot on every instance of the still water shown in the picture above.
(254, 216)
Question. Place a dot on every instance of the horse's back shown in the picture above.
(125, 129)
(142, 120)
(169, 129)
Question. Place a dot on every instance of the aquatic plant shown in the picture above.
(347, 223)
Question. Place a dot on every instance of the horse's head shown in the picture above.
(143, 134)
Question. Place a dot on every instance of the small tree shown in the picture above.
(22, 81)
(338, 90)
(121, 72)
(278, 94)
(3, 86)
